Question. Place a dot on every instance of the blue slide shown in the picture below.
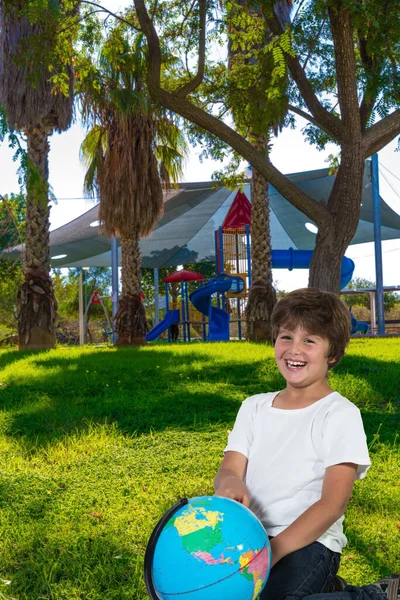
(358, 326)
(171, 316)
(218, 319)
(300, 259)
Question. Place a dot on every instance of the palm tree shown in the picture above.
(263, 117)
(34, 107)
(130, 146)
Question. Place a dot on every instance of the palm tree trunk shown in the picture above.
(262, 296)
(130, 320)
(37, 305)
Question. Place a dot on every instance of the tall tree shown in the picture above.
(256, 114)
(342, 61)
(35, 105)
(130, 146)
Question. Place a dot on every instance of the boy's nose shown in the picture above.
(295, 348)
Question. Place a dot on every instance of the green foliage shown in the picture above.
(66, 288)
(12, 232)
(12, 220)
(81, 435)
(14, 143)
(54, 28)
(363, 299)
(11, 277)
(257, 74)
(376, 46)
(27, 172)
(230, 176)
(113, 88)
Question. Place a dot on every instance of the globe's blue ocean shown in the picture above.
(213, 548)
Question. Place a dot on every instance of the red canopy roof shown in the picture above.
(239, 213)
(184, 275)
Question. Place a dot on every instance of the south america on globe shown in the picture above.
(211, 548)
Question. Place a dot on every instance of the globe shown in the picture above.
(207, 548)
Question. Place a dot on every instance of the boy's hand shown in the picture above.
(229, 481)
(233, 487)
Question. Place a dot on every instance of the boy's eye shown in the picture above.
(284, 337)
(308, 341)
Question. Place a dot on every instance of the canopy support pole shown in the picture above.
(114, 282)
(156, 299)
(81, 324)
(376, 203)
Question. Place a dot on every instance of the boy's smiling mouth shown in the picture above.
(295, 364)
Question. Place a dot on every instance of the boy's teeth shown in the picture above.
(295, 363)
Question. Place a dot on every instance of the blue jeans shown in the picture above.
(308, 572)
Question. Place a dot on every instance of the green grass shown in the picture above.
(95, 444)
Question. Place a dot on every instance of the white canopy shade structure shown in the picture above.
(185, 233)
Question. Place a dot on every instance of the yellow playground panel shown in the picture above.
(235, 250)
(194, 315)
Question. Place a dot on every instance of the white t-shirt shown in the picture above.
(288, 452)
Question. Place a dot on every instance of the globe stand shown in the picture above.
(151, 546)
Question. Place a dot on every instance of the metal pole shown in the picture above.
(216, 242)
(81, 325)
(156, 297)
(114, 281)
(238, 299)
(204, 321)
(183, 311)
(187, 309)
(167, 308)
(248, 253)
(376, 202)
(372, 305)
(221, 251)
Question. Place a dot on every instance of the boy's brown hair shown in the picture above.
(317, 312)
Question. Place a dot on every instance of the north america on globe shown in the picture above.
(202, 532)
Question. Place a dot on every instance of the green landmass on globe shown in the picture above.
(201, 532)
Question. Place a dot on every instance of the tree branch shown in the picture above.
(79, 20)
(324, 119)
(369, 98)
(185, 18)
(380, 134)
(308, 117)
(110, 13)
(312, 47)
(198, 78)
(316, 211)
(342, 33)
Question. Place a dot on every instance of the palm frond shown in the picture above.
(142, 140)
(128, 178)
(171, 164)
(91, 154)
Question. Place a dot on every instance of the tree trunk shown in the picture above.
(262, 296)
(37, 306)
(333, 239)
(130, 320)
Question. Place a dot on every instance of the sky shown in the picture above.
(290, 154)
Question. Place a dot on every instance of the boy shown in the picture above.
(293, 455)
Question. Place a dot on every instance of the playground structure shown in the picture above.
(184, 235)
(371, 328)
(197, 309)
(95, 298)
(219, 305)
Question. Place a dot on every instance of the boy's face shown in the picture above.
(302, 358)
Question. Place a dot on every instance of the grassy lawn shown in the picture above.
(96, 443)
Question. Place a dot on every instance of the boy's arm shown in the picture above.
(309, 526)
(229, 481)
